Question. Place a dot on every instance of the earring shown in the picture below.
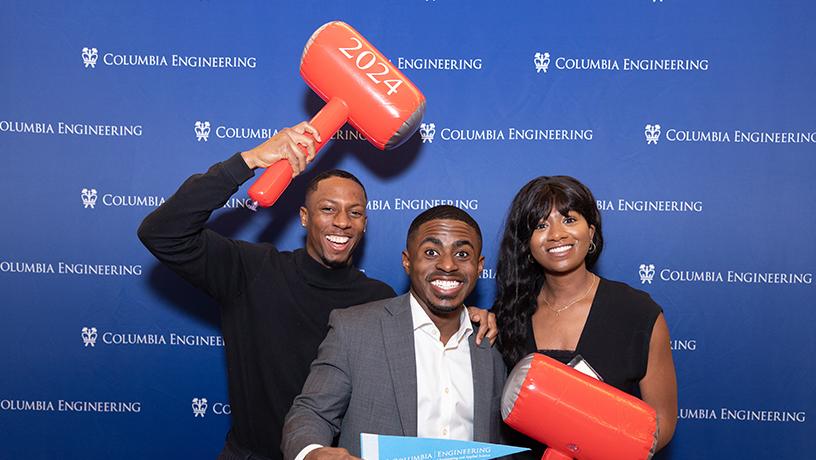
(592, 247)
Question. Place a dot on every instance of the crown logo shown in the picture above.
(199, 407)
(89, 198)
(89, 57)
(427, 132)
(542, 62)
(89, 336)
(202, 130)
(646, 273)
(652, 133)
(252, 205)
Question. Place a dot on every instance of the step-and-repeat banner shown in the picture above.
(692, 122)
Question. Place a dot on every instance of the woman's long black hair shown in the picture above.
(519, 277)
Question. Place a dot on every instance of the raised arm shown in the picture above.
(175, 232)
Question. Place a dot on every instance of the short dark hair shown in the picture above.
(312, 186)
(442, 212)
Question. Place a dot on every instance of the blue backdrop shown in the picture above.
(692, 122)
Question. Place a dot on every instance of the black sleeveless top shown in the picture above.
(615, 342)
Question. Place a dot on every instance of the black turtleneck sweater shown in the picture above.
(274, 305)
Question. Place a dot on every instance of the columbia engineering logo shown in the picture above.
(89, 57)
(542, 62)
(89, 336)
(652, 133)
(646, 272)
(427, 131)
(202, 130)
(199, 406)
(89, 197)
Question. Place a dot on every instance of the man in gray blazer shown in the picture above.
(408, 365)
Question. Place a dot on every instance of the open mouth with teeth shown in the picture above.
(560, 249)
(338, 242)
(447, 287)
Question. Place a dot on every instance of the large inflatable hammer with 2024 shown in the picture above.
(575, 415)
(360, 86)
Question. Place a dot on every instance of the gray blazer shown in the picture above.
(364, 381)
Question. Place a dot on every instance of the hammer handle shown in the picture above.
(269, 187)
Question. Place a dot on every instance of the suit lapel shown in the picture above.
(481, 362)
(398, 336)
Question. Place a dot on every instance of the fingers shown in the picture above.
(295, 145)
(487, 324)
(305, 127)
(477, 315)
(306, 141)
(300, 147)
(296, 158)
(480, 334)
(492, 328)
(291, 151)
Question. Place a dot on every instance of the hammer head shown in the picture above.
(383, 105)
(575, 414)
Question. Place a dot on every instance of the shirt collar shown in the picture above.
(423, 321)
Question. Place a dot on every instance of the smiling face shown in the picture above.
(335, 220)
(560, 243)
(443, 260)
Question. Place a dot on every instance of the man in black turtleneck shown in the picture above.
(274, 304)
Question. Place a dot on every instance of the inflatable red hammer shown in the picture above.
(575, 415)
(360, 86)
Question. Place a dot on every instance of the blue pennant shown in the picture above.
(380, 447)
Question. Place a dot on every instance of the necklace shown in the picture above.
(557, 309)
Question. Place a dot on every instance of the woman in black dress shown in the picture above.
(549, 301)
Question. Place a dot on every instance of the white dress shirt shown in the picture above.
(444, 378)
